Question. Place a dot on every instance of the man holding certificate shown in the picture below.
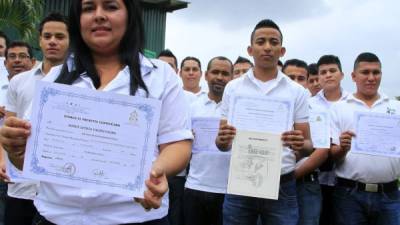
(267, 123)
(365, 142)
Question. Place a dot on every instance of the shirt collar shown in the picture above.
(382, 98)
(38, 70)
(344, 95)
(280, 77)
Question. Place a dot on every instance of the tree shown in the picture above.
(21, 17)
(398, 98)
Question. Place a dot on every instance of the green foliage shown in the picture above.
(21, 16)
(398, 98)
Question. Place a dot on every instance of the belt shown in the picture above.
(311, 177)
(380, 187)
(287, 177)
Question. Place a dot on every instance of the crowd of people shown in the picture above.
(102, 41)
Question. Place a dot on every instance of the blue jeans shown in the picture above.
(3, 195)
(241, 210)
(354, 207)
(309, 200)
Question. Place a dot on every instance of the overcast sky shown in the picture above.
(311, 28)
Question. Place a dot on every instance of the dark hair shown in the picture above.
(329, 59)
(3, 35)
(313, 69)
(131, 45)
(280, 63)
(366, 57)
(190, 58)
(220, 58)
(15, 44)
(296, 63)
(266, 23)
(168, 53)
(52, 17)
(241, 59)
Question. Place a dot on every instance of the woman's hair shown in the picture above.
(131, 45)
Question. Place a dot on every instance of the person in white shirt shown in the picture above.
(190, 73)
(266, 80)
(106, 38)
(313, 84)
(208, 174)
(330, 76)
(241, 66)
(367, 189)
(297, 70)
(54, 42)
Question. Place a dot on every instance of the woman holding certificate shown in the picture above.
(106, 38)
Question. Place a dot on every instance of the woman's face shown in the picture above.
(103, 24)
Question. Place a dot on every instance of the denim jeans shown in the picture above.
(241, 210)
(176, 191)
(309, 200)
(3, 196)
(354, 207)
(203, 208)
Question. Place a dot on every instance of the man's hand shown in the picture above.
(157, 186)
(2, 111)
(225, 136)
(293, 139)
(345, 140)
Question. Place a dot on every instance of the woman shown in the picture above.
(106, 42)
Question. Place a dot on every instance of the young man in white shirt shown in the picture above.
(54, 42)
(266, 80)
(297, 70)
(241, 66)
(367, 188)
(190, 73)
(330, 76)
(208, 174)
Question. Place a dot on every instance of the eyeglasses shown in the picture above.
(21, 56)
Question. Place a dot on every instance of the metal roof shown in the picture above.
(168, 5)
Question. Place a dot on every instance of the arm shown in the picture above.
(340, 151)
(299, 139)
(313, 162)
(225, 136)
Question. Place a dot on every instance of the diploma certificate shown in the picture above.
(91, 139)
(264, 114)
(320, 129)
(376, 134)
(205, 131)
(255, 166)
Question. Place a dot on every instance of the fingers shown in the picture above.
(345, 140)
(293, 139)
(16, 122)
(226, 133)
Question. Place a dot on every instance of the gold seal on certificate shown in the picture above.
(255, 165)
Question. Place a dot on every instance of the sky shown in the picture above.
(311, 28)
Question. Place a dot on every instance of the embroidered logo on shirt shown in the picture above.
(390, 111)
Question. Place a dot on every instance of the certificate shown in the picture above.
(255, 166)
(91, 139)
(264, 114)
(320, 128)
(205, 131)
(376, 134)
(13, 173)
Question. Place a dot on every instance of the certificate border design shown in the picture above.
(48, 92)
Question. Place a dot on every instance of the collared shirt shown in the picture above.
(361, 167)
(19, 97)
(3, 85)
(320, 103)
(78, 206)
(208, 170)
(281, 87)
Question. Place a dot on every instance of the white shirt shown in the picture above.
(77, 206)
(3, 85)
(361, 167)
(19, 98)
(320, 103)
(208, 170)
(281, 87)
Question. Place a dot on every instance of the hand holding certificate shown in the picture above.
(376, 134)
(91, 139)
(205, 130)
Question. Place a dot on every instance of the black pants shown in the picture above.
(40, 220)
(203, 208)
(327, 209)
(175, 211)
(19, 211)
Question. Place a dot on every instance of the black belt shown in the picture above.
(311, 177)
(287, 177)
(380, 187)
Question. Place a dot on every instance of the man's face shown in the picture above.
(190, 73)
(297, 74)
(18, 60)
(240, 68)
(329, 76)
(367, 77)
(170, 61)
(219, 74)
(313, 84)
(54, 41)
(266, 48)
(3, 46)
